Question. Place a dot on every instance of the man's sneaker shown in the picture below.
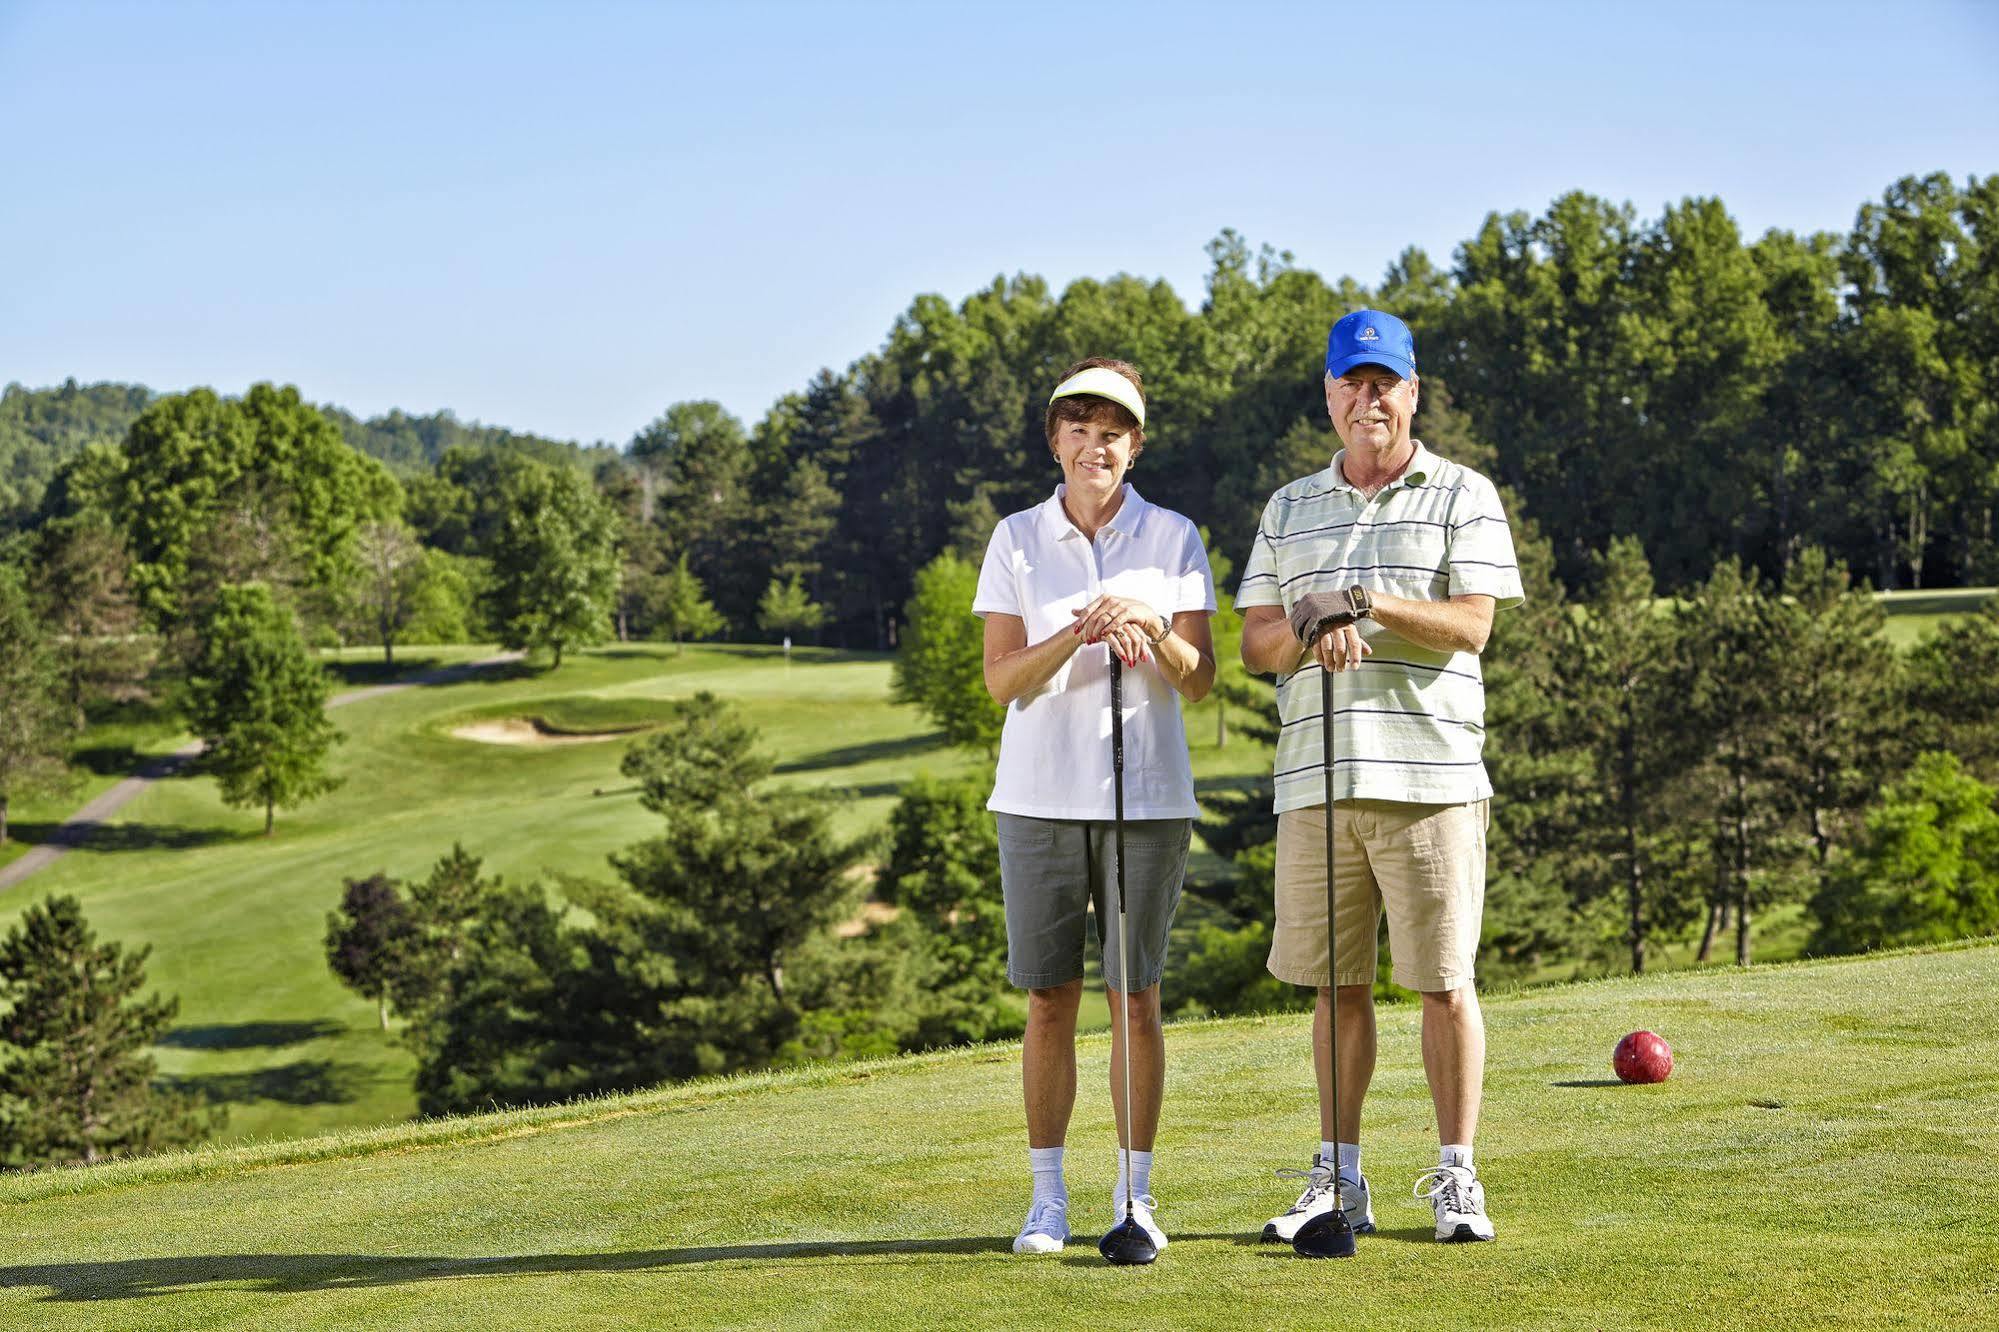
(1318, 1198)
(1046, 1228)
(1141, 1212)
(1459, 1200)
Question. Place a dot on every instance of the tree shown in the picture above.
(681, 968)
(391, 580)
(76, 1081)
(555, 563)
(1926, 869)
(941, 666)
(943, 871)
(258, 701)
(1729, 619)
(679, 605)
(702, 456)
(368, 937)
(701, 753)
(269, 459)
(785, 607)
(83, 595)
(36, 717)
(1621, 693)
(1951, 690)
(1832, 697)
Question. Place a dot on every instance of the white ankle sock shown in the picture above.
(1046, 1163)
(1141, 1174)
(1456, 1154)
(1350, 1160)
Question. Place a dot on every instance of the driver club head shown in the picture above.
(1327, 1235)
(1127, 1245)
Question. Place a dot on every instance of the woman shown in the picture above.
(1093, 570)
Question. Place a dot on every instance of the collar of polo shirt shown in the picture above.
(1124, 522)
(1415, 474)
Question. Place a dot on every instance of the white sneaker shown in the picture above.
(1046, 1229)
(1141, 1212)
(1459, 1200)
(1318, 1198)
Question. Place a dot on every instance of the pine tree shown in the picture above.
(76, 1083)
(36, 719)
(1729, 647)
(680, 605)
(1832, 697)
(786, 607)
(258, 700)
(1621, 691)
(83, 594)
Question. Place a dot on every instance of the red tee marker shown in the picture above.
(1642, 1057)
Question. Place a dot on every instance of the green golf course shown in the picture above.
(1815, 1161)
(237, 921)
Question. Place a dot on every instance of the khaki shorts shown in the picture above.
(1424, 863)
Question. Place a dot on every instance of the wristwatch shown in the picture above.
(1165, 628)
(1359, 603)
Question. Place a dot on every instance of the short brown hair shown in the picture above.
(1090, 408)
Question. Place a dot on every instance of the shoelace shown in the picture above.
(1145, 1200)
(1448, 1184)
(1321, 1185)
(1039, 1220)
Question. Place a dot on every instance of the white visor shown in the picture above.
(1097, 382)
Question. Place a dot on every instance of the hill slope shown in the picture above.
(237, 922)
(1819, 1159)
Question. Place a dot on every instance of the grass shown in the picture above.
(1816, 1161)
(236, 922)
(1914, 615)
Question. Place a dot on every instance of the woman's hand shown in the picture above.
(1108, 612)
(1129, 642)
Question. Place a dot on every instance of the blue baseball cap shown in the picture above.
(1369, 337)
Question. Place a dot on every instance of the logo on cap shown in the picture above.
(1368, 335)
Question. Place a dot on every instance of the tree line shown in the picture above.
(1663, 379)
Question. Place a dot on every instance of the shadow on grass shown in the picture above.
(873, 752)
(107, 760)
(1588, 1082)
(358, 674)
(109, 837)
(249, 1035)
(865, 791)
(282, 1273)
(306, 1082)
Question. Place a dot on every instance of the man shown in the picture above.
(1384, 569)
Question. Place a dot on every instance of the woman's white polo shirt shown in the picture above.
(1055, 752)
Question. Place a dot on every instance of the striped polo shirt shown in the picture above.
(1411, 720)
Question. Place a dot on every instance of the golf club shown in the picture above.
(1329, 1234)
(1126, 1243)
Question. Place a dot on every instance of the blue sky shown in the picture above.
(563, 218)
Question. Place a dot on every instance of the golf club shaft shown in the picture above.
(1327, 730)
(1123, 963)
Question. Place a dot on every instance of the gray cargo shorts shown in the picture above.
(1051, 870)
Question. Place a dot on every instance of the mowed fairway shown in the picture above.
(237, 921)
(1818, 1159)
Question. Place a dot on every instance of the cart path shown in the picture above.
(77, 828)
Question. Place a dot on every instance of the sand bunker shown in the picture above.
(530, 731)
